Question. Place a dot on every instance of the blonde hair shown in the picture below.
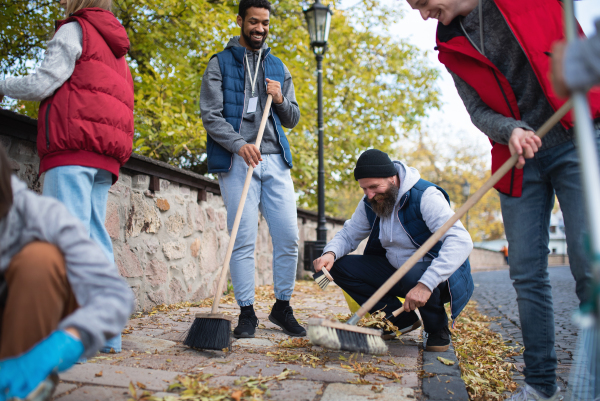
(75, 5)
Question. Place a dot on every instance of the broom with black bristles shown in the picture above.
(213, 330)
(349, 337)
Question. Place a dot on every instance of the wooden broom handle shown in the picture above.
(238, 215)
(422, 251)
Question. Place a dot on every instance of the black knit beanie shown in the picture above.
(374, 163)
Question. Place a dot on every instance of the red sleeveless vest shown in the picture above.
(536, 24)
(88, 121)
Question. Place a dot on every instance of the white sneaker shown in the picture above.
(528, 393)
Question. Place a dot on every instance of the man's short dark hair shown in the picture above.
(246, 4)
(6, 195)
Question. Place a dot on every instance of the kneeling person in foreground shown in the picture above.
(399, 212)
(60, 297)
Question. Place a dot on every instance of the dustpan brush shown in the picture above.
(347, 336)
(213, 330)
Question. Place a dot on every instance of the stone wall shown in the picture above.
(169, 238)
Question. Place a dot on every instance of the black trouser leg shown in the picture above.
(361, 275)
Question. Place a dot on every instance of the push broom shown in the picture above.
(349, 337)
(584, 381)
(213, 330)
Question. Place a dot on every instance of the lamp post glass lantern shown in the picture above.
(318, 19)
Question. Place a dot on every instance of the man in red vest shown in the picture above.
(497, 52)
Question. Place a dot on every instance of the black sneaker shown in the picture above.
(438, 341)
(406, 322)
(247, 325)
(286, 320)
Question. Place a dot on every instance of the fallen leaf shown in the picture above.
(99, 374)
(445, 361)
(237, 395)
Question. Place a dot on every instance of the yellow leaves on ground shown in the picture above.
(196, 387)
(294, 342)
(482, 355)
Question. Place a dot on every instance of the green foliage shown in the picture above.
(376, 88)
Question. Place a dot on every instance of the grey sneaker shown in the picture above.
(528, 393)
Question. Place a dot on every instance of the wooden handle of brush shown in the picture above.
(238, 215)
(489, 184)
(396, 312)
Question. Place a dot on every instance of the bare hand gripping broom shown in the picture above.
(349, 337)
(213, 330)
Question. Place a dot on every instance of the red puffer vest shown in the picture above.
(536, 24)
(89, 119)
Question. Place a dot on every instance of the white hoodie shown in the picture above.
(457, 243)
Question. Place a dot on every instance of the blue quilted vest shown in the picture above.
(460, 282)
(233, 72)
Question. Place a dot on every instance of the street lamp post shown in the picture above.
(318, 19)
(466, 191)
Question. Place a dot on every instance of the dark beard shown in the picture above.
(250, 42)
(383, 204)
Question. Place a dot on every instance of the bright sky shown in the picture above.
(453, 117)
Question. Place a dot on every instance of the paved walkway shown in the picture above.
(497, 298)
(154, 356)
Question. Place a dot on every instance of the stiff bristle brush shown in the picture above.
(213, 330)
(347, 336)
(322, 278)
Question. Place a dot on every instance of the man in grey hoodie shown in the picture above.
(234, 91)
(398, 214)
(60, 297)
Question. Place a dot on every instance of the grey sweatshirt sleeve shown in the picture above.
(105, 299)
(457, 244)
(350, 236)
(211, 108)
(496, 126)
(59, 63)
(288, 111)
(581, 63)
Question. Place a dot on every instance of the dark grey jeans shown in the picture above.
(526, 222)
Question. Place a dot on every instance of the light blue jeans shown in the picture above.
(271, 192)
(526, 222)
(84, 191)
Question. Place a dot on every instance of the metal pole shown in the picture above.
(587, 150)
(322, 227)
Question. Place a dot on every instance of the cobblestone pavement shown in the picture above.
(154, 356)
(497, 298)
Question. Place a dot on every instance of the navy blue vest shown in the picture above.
(233, 71)
(460, 282)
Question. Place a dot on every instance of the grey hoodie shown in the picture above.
(211, 106)
(457, 243)
(105, 299)
(582, 62)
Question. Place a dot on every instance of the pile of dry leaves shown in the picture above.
(376, 320)
(196, 387)
(482, 354)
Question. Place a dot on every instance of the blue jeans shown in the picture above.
(526, 222)
(361, 275)
(272, 192)
(84, 191)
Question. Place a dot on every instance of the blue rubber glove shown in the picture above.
(21, 375)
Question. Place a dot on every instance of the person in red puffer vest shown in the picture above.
(498, 52)
(85, 121)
